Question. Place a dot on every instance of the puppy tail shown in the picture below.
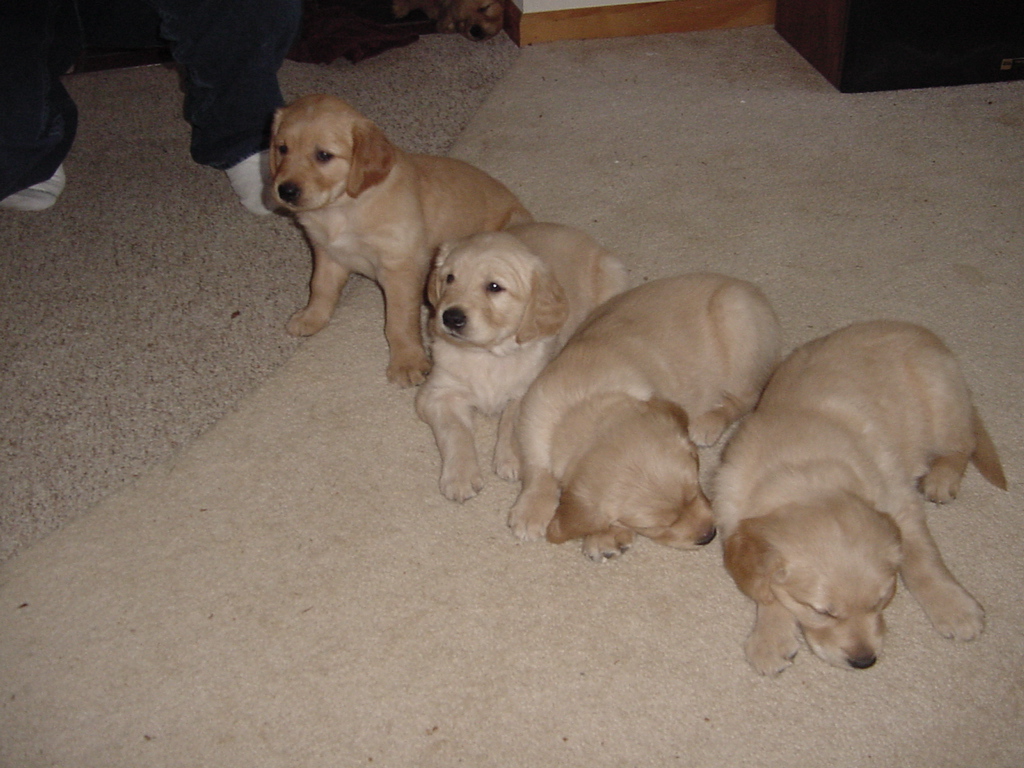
(985, 457)
(517, 214)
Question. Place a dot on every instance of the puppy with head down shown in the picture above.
(608, 432)
(476, 20)
(819, 496)
(503, 304)
(370, 208)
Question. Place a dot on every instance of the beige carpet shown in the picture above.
(291, 589)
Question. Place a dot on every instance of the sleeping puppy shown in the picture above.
(819, 496)
(368, 207)
(607, 432)
(504, 303)
(473, 19)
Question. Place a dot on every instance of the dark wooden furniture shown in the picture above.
(875, 45)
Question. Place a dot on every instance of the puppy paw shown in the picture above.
(306, 322)
(409, 371)
(529, 523)
(956, 615)
(536, 505)
(942, 483)
(707, 428)
(608, 545)
(771, 656)
(460, 486)
(506, 465)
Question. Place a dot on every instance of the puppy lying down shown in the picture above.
(607, 432)
(370, 208)
(473, 19)
(503, 304)
(819, 496)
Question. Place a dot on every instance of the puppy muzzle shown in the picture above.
(454, 321)
(289, 193)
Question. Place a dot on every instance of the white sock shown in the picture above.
(39, 196)
(250, 180)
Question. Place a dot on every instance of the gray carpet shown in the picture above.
(290, 589)
(143, 306)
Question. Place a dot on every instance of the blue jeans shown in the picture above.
(229, 50)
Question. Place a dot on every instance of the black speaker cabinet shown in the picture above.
(879, 45)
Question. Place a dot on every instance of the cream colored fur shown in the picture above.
(819, 497)
(516, 296)
(607, 431)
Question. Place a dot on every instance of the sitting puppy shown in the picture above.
(368, 207)
(473, 19)
(818, 493)
(607, 430)
(504, 303)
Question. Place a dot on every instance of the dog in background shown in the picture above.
(503, 304)
(608, 431)
(819, 495)
(370, 208)
(475, 20)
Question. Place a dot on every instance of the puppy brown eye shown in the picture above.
(494, 288)
(323, 156)
(450, 279)
(282, 149)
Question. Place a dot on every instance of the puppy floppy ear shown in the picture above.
(373, 157)
(751, 560)
(275, 160)
(546, 311)
(435, 282)
(572, 520)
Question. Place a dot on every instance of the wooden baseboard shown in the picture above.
(636, 19)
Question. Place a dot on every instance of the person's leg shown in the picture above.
(39, 41)
(231, 51)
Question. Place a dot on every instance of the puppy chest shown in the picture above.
(336, 238)
(355, 253)
(492, 381)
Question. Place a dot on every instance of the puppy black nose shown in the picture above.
(707, 538)
(288, 191)
(454, 319)
(477, 32)
(862, 662)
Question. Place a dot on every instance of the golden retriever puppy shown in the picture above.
(473, 19)
(819, 495)
(370, 208)
(503, 304)
(607, 432)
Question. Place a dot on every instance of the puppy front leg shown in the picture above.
(451, 420)
(774, 642)
(329, 278)
(403, 300)
(536, 505)
(506, 449)
(951, 610)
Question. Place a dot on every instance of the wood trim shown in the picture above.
(636, 19)
(513, 20)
